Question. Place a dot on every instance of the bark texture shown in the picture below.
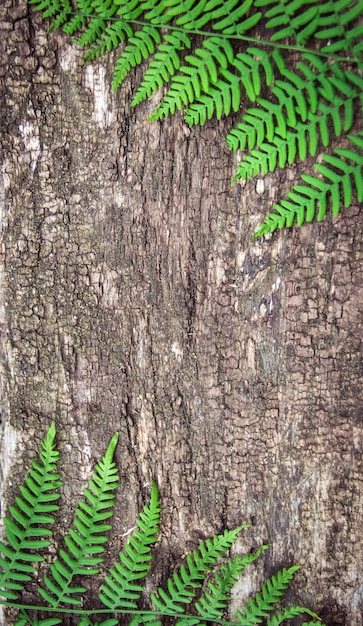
(133, 299)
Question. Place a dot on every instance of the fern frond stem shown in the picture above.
(70, 611)
(271, 44)
(205, 33)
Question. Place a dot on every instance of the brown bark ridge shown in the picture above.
(133, 299)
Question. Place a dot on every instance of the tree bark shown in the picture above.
(134, 300)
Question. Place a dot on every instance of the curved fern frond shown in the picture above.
(181, 586)
(265, 602)
(164, 65)
(289, 613)
(121, 588)
(342, 174)
(84, 540)
(202, 69)
(141, 46)
(26, 524)
(213, 603)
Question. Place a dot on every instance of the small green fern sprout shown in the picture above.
(84, 540)
(121, 588)
(26, 526)
(182, 585)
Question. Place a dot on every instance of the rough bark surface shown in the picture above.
(133, 299)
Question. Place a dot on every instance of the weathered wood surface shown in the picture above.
(133, 299)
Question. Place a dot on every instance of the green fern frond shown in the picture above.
(288, 137)
(335, 19)
(121, 588)
(265, 602)
(213, 603)
(232, 23)
(84, 540)
(110, 37)
(344, 174)
(103, 12)
(273, 118)
(298, 19)
(130, 10)
(225, 95)
(26, 524)
(202, 70)
(141, 46)
(289, 613)
(164, 65)
(181, 586)
(80, 19)
(283, 147)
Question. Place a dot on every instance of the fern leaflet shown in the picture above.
(264, 602)
(297, 21)
(335, 17)
(289, 613)
(164, 65)
(121, 588)
(141, 46)
(213, 602)
(110, 37)
(26, 524)
(84, 540)
(80, 19)
(181, 587)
